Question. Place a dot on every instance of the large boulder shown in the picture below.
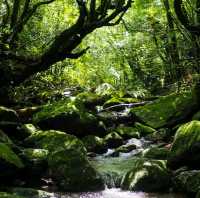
(52, 140)
(67, 161)
(186, 146)
(167, 110)
(68, 115)
(71, 170)
(147, 176)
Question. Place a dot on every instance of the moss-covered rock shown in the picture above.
(28, 129)
(67, 161)
(70, 116)
(126, 148)
(54, 140)
(167, 110)
(128, 132)
(116, 101)
(71, 170)
(144, 130)
(113, 140)
(8, 115)
(9, 195)
(4, 138)
(90, 100)
(155, 153)
(36, 165)
(187, 182)
(147, 176)
(30, 193)
(164, 134)
(94, 144)
(7, 155)
(186, 146)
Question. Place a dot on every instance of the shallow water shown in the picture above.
(117, 193)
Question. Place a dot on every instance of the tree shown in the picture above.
(15, 14)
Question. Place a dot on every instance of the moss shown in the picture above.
(70, 116)
(30, 193)
(128, 132)
(89, 100)
(9, 156)
(144, 130)
(73, 172)
(113, 140)
(94, 144)
(185, 148)
(54, 140)
(147, 176)
(116, 101)
(4, 138)
(8, 195)
(29, 128)
(155, 153)
(166, 110)
(35, 153)
(196, 116)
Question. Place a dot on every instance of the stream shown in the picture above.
(110, 168)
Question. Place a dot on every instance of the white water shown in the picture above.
(117, 193)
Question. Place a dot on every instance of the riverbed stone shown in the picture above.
(186, 146)
(148, 176)
(143, 129)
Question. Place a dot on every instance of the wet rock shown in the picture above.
(186, 146)
(94, 144)
(147, 176)
(128, 132)
(113, 140)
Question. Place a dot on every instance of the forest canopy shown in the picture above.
(143, 45)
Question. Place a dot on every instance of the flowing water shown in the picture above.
(116, 193)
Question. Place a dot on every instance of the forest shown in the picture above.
(99, 98)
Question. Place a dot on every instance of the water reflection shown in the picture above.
(117, 193)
